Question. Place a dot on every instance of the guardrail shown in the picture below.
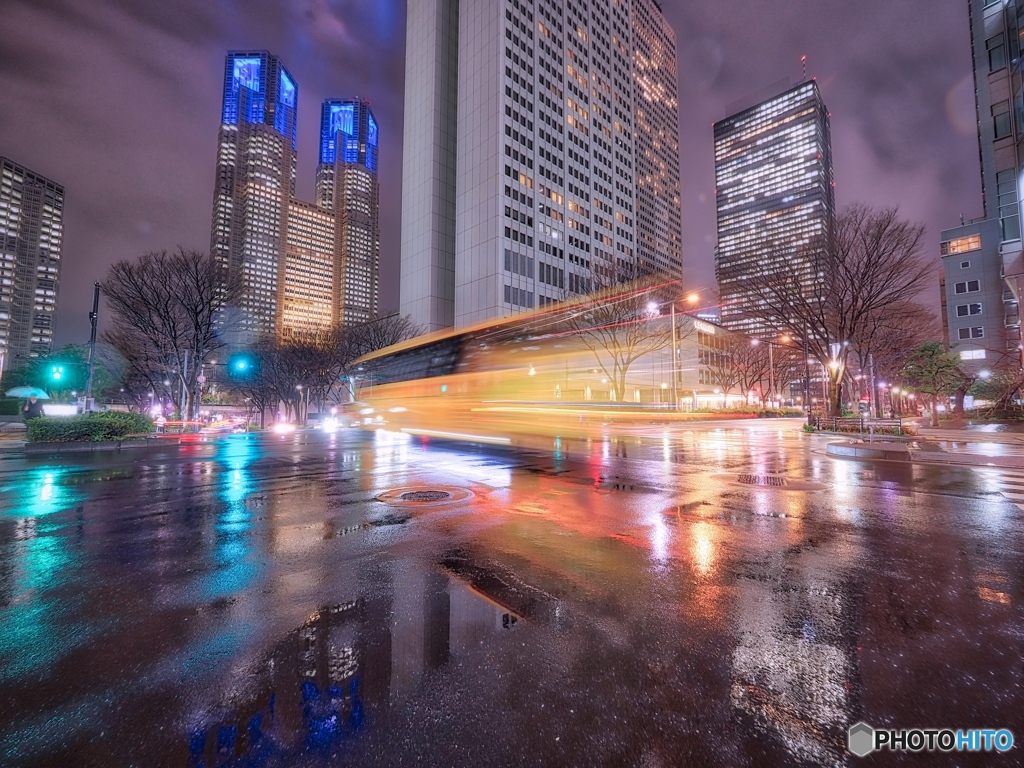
(860, 425)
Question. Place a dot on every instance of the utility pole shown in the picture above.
(93, 319)
(771, 374)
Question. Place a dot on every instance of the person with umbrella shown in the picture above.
(33, 408)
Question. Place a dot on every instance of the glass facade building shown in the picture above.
(31, 244)
(774, 196)
(541, 153)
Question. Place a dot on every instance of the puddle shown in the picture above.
(340, 672)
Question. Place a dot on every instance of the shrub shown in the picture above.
(753, 410)
(10, 406)
(808, 428)
(111, 425)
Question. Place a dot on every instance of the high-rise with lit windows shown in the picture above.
(983, 259)
(541, 153)
(656, 105)
(255, 181)
(346, 184)
(31, 241)
(774, 196)
(302, 267)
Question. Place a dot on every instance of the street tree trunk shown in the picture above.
(935, 410)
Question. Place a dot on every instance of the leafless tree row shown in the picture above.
(172, 315)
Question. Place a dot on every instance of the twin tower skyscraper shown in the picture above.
(302, 266)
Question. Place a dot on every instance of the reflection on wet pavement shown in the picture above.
(252, 602)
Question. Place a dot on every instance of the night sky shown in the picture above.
(119, 101)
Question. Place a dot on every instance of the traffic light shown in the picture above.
(57, 372)
(241, 365)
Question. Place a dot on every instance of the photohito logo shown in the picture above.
(862, 739)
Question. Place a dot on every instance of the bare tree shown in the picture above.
(379, 332)
(166, 308)
(621, 321)
(825, 294)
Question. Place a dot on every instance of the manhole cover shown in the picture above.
(421, 496)
(425, 495)
(761, 480)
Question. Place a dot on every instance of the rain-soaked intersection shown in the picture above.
(626, 601)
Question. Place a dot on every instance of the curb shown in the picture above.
(57, 449)
(897, 452)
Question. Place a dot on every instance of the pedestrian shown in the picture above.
(33, 409)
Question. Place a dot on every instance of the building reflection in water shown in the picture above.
(794, 666)
(339, 672)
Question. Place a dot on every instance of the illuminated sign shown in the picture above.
(246, 74)
(342, 117)
(286, 90)
(372, 138)
(700, 325)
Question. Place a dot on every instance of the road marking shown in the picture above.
(1010, 483)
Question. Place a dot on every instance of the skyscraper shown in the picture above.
(983, 260)
(302, 266)
(658, 226)
(346, 183)
(31, 242)
(523, 178)
(255, 181)
(774, 195)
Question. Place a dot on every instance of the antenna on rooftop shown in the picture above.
(803, 63)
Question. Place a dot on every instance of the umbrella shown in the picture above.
(35, 392)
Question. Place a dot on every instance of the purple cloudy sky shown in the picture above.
(119, 100)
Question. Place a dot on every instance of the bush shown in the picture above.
(96, 427)
(808, 428)
(779, 413)
(10, 406)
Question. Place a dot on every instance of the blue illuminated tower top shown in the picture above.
(258, 89)
(348, 133)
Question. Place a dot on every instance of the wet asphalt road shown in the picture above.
(624, 602)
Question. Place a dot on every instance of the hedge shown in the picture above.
(96, 427)
(10, 406)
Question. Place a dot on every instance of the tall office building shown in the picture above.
(346, 183)
(308, 303)
(658, 226)
(255, 182)
(774, 195)
(540, 153)
(31, 241)
(983, 260)
(302, 266)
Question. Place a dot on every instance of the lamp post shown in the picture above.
(675, 352)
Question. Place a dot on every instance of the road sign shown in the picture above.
(201, 379)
